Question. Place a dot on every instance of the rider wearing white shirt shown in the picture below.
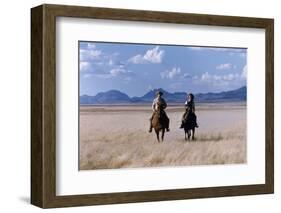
(159, 104)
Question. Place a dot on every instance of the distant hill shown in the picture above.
(117, 97)
(228, 96)
(109, 97)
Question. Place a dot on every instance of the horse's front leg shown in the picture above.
(188, 134)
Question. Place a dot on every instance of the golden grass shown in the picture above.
(119, 139)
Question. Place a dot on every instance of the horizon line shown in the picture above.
(160, 89)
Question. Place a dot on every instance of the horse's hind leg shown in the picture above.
(193, 132)
(185, 138)
(188, 133)
(157, 135)
(162, 136)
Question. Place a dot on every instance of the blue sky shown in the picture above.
(137, 68)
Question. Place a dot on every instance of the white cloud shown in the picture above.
(118, 71)
(88, 55)
(230, 77)
(137, 59)
(213, 78)
(175, 73)
(95, 62)
(93, 55)
(154, 56)
(225, 66)
(88, 69)
(206, 76)
(170, 74)
(226, 81)
(111, 59)
(90, 66)
(91, 46)
(84, 66)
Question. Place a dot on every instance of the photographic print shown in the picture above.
(152, 105)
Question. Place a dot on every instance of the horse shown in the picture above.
(188, 126)
(159, 123)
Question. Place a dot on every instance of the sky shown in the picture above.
(135, 69)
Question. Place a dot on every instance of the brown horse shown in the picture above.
(189, 125)
(159, 123)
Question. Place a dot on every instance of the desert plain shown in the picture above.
(116, 136)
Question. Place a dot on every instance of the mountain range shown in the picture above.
(117, 97)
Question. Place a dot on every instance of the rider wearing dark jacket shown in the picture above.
(189, 110)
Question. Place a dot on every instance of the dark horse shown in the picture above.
(189, 125)
(159, 124)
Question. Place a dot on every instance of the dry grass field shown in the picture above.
(117, 137)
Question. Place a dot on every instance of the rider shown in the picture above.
(159, 104)
(189, 110)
